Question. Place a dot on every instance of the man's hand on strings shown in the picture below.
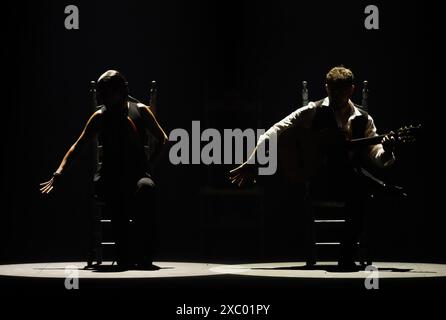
(388, 143)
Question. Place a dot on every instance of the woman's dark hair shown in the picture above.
(111, 81)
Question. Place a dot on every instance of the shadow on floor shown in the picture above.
(116, 268)
(333, 268)
(109, 268)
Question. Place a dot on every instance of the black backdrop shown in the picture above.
(210, 58)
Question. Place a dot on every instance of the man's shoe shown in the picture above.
(347, 266)
(147, 265)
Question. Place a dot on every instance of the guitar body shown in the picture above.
(299, 154)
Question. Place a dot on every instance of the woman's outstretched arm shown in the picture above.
(89, 132)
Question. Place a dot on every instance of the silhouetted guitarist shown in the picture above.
(330, 167)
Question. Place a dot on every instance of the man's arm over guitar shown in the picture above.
(380, 154)
(299, 117)
(247, 171)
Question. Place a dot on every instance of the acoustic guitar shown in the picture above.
(301, 150)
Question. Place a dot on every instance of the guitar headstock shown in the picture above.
(407, 134)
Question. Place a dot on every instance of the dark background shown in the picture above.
(227, 64)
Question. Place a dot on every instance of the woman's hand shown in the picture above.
(48, 186)
(243, 174)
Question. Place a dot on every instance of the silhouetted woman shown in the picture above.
(123, 180)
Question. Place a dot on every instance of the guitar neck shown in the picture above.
(362, 142)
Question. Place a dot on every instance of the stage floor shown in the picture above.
(178, 282)
(321, 270)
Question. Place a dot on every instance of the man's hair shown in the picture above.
(111, 80)
(339, 77)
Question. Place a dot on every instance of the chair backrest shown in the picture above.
(94, 108)
(305, 94)
(365, 94)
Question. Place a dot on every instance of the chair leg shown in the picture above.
(310, 236)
